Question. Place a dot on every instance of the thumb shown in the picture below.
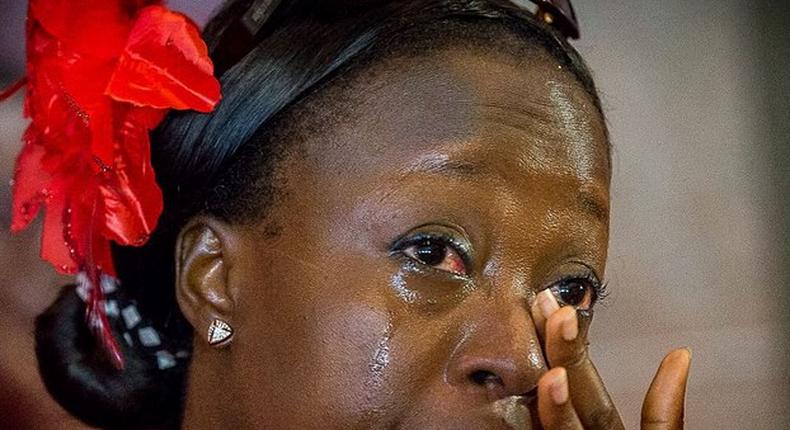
(664, 402)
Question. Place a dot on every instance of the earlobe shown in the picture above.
(202, 288)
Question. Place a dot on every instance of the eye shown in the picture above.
(436, 252)
(581, 293)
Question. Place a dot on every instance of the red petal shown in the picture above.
(132, 205)
(56, 144)
(30, 183)
(103, 143)
(54, 248)
(72, 237)
(132, 198)
(93, 27)
(61, 123)
(87, 155)
(55, 69)
(147, 117)
(102, 255)
(165, 65)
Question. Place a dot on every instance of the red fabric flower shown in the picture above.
(100, 75)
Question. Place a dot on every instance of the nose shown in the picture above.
(498, 356)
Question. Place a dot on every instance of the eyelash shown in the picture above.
(446, 240)
(599, 290)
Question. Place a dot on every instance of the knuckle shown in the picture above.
(653, 423)
(575, 358)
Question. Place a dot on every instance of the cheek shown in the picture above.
(375, 352)
(353, 348)
(315, 346)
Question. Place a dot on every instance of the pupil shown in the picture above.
(572, 293)
(431, 253)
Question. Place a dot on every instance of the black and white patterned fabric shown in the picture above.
(137, 331)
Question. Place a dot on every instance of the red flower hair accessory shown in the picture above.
(100, 75)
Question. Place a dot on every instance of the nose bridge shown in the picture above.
(499, 354)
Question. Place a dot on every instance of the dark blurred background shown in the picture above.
(698, 102)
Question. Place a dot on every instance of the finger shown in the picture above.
(555, 409)
(664, 403)
(544, 306)
(566, 348)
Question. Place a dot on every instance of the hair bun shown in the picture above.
(77, 374)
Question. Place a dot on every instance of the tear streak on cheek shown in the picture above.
(535, 355)
(355, 357)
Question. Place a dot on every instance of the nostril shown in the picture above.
(485, 378)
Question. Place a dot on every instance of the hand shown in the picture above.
(571, 395)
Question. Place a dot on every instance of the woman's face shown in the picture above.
(412, 236)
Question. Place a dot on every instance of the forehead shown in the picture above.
(518, 113)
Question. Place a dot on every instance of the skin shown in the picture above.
(335, 329)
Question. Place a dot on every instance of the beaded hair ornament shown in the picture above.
(101, 74)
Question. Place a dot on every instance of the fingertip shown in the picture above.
(674, 367)
(554, 404)
(547, 303)
(549, 395)
(681, 353)
(570, 325)
(664, 402)
(551, 374)
(677, 359)
(689, 353)
(537, 313)
(564, 323)
(551, 379)
(543, 307)
(558, 386)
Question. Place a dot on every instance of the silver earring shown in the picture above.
(219, 333)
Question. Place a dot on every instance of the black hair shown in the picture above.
(222, 164)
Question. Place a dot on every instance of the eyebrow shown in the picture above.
(593, 205)
(443, 166)
(587, 200)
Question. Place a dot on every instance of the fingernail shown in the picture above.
(681, 354)
(570, 327)
(547, 303)
(559, 388)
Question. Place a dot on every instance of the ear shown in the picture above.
(202, 267)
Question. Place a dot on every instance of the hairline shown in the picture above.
(329, 104)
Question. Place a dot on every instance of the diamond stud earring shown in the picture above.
(219, 333)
